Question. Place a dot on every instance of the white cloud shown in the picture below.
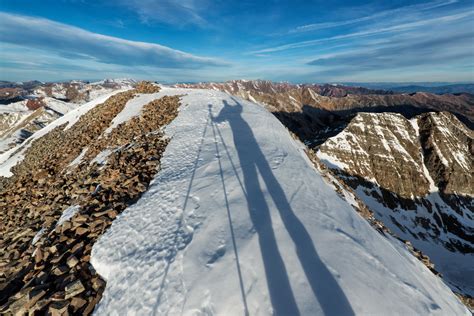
(78, 43)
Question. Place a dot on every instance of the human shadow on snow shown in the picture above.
(252, 161)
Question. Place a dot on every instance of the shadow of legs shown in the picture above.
(332, 299)
(281, 295)
(323, 284)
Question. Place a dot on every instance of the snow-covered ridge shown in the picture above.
(238, 219)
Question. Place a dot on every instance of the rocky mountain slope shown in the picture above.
(21, 119)
(67, 183)
(74, 91)
(417, 177)
(101, 207)
(38, 104)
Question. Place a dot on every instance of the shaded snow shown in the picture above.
(68, 214)
(455, 267)
(101, 157)
(229, 225)
(79, 157)
(60, 106)
(38, 235)
(331, 161)
(19, 106)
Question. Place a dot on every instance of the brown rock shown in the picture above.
(72, 261)
(77, 303)
(58, 308)
(74, 288)
(60, 270)
(97, 283)
(38, 255)
(81, 231)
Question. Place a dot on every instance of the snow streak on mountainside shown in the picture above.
(14, 155)
(39, 104)
(417, 177)
(238, 220)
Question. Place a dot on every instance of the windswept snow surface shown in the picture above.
(238, 218)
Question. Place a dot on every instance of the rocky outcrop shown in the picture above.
(448, 149)
(404, 156)
(382, 148)
(416, 176)
(65, 194)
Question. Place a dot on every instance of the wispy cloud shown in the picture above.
(417, 8)
(78, 43)
(182, 12)
(416, 55)
(412, 52)
(368, 32)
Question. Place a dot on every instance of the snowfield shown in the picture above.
(238, 221)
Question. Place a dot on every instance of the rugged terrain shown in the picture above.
(316, 112)
(158, 200)
(69, 182)
(417, 177)
(28, 107)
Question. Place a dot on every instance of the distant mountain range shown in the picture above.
(438, 88)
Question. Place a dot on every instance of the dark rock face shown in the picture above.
(11, 94)
(448, 150)
(54, 210)
(417, 177)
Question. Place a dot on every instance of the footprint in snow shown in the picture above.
(220, 251)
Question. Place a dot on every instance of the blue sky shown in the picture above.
(204, 40)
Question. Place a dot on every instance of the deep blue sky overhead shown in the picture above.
(204, 40)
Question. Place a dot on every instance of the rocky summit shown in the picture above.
(334, 178)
